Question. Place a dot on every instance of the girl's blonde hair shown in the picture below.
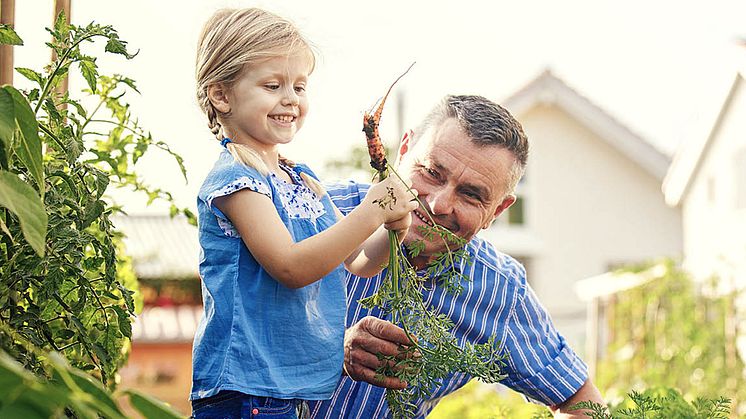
(231, 40)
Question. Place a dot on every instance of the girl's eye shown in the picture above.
(300, 89)
(272, 86)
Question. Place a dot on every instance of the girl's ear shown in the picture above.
(218, 96)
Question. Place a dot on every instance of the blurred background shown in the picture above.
(631, 219)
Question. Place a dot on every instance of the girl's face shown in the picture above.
(268, 102)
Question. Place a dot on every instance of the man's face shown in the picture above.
(463, 185)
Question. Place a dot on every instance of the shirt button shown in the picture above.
(255, 411)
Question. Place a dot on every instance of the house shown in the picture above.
(165, 257)
(590, 200)
(707, 182)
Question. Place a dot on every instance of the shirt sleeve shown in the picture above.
(228, 179)
(541, 365)
(346, 195)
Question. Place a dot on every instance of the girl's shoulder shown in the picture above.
(227, 171)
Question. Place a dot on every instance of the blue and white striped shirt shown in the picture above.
(496, 302)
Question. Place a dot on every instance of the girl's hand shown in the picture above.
(391, 199)
(400, 226)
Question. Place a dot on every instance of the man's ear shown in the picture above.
(218, 96)
(505, 204)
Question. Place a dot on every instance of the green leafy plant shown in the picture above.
(434, 352)
(662, 403)
(479, 401)
(670, 332)
(65, 288)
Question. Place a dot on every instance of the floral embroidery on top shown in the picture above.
(298, 200)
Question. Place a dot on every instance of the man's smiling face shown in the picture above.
(464, 185)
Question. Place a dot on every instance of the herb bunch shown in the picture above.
(434, 352)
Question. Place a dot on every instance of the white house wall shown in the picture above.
(715, 230)
(591, 208)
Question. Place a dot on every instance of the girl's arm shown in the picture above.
(371, 256)
(296, 265)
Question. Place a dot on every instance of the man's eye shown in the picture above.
(300, 89)
(473, 195)
(432, 173)
(272, 86)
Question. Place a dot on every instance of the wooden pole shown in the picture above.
(7, 16)
(59, 6)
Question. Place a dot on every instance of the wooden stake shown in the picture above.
(7, 16)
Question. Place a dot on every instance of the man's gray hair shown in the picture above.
(486, 123)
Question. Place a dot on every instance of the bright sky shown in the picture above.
(660, 67)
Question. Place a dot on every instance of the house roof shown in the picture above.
(161, 247)
(610, 283)
(548, 89)
(690, 156)
(166, 324)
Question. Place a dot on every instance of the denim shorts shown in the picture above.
(235, 405)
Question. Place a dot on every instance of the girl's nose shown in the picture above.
(290, 98)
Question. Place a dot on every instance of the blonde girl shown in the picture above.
(273, 244)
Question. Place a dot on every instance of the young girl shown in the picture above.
(272, 283)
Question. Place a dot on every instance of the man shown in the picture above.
(464, 161)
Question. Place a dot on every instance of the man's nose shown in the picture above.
(440, 201)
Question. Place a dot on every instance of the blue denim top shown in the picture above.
(257, 336)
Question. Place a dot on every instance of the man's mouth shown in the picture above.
(425, 219)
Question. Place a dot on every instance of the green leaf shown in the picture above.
(24, 202)
(8, 36)
(5, 230)
(150, 407)
(61, 26)
(93, 388)
(29, 148)
(118, 47)
(124, 321)
(65, 334)
(7, 117)
(31, 75)
(89, 71)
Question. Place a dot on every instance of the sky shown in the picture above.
(660, 67)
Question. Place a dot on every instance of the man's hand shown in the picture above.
(365, 339)
(587, 392)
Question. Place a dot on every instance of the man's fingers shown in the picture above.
(361, 373)
(386, 331)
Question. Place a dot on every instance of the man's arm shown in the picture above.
(587, 392)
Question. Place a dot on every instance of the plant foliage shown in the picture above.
(64, 286)
(670, 333)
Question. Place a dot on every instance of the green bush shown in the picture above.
(66, 291)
